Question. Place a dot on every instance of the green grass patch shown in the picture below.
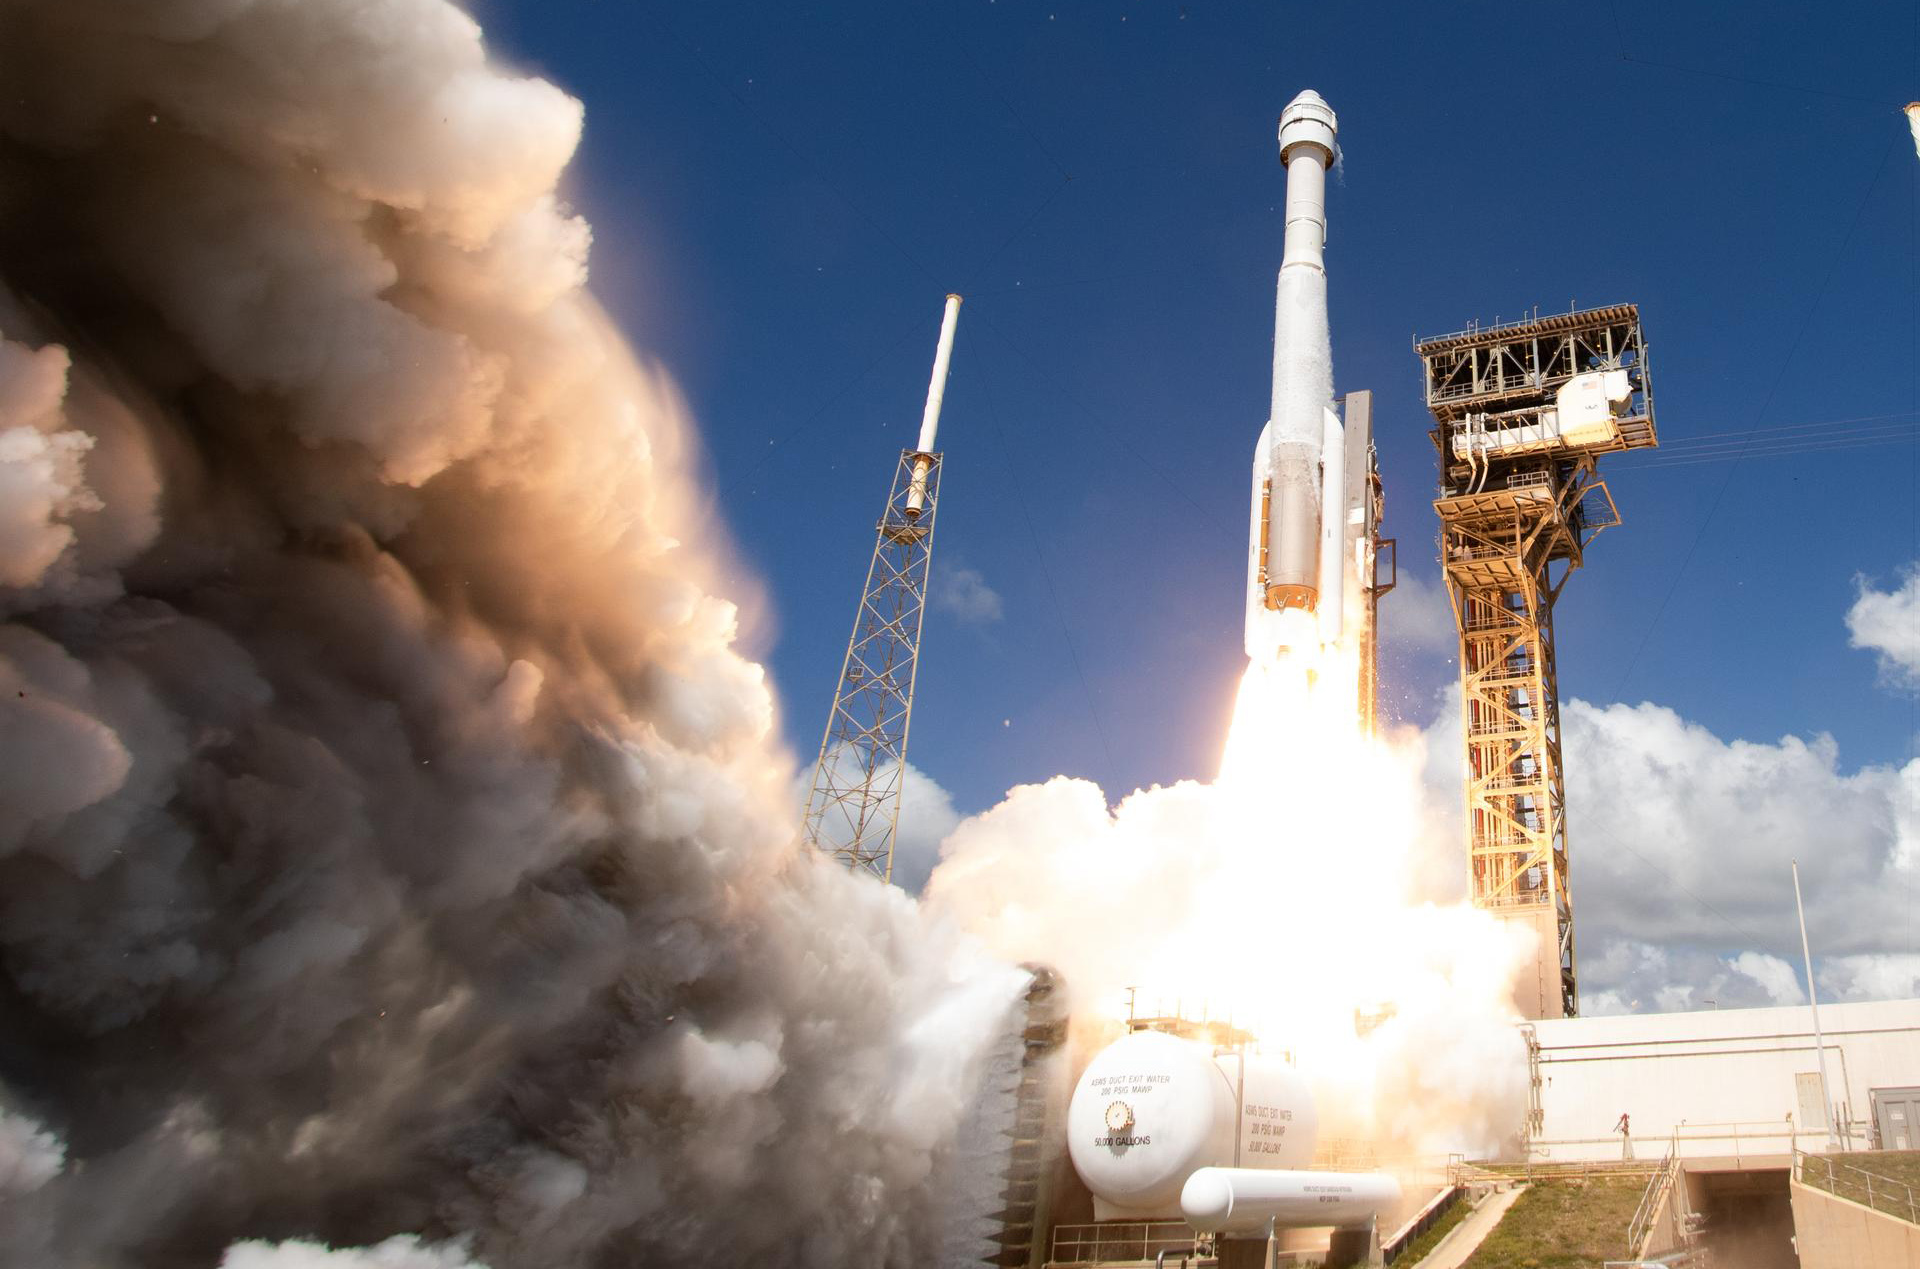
(1563, 1224)
(1872, 1177)
(1417, 1250)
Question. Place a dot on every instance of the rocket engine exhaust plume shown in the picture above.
(393, 848)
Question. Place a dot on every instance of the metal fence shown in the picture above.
(1659, 1185)
(1849, 1181)
(1123, 1240)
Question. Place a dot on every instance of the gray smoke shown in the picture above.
(392, 842)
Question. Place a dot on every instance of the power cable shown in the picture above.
(1156, 468)
(1022, 228)
(1667, 446)
(1776, 450)
(793, 149)
(1743, 79)
(1760, 440)
(1669, 876)
(1755, 456)
(978, 370)
(1713, 509)
(886, 351)
(1620, 35)
(960, 43)
(1894, 432)
(1913, 467)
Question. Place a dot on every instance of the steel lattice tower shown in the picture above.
(853, 810)
(1523, 411)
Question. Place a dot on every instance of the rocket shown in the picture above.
(1296, 548)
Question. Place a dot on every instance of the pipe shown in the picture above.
(1333, 527)
(930, 417)
(1813, 1002)
(1254, 1200)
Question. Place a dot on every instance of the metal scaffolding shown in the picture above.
(1519, 433)
(854, 808)
(1365, 510)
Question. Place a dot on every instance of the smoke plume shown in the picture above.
(1283, 896)
(391, 838)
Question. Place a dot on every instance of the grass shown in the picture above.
(1563, 1224)
(1417, 1250)
(1858, 1176)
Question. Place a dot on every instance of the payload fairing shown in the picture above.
(1302, 560)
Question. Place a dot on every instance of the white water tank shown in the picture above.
(1152, 1109)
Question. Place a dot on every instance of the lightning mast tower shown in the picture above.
(853, 811)
(1522, 412)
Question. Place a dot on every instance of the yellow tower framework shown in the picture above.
(1523, 410)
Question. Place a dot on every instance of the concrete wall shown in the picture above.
(1833, 1233)
(1722, 1079)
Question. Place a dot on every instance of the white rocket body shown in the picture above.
(1296, 567)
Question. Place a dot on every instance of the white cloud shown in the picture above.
(1681, 843)
(1780, 980)
(964, 592)
(1888, 622)
(1416, 617)
(927, 816)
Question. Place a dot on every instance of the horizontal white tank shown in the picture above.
(1152, 1109)
(1253, 1201)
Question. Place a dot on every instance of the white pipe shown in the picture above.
(937, 389)
(1819, 1044)
(1333, 527)
(1254, 1200)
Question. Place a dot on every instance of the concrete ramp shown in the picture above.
(1836, 1233)
(1453, 1250)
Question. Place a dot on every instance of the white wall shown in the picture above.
(1713, 1070)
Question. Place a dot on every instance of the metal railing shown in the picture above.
(1124, 1240)
(1392, 1246)
(1849, 1181)
(1743, 1141)
(1659, 1185)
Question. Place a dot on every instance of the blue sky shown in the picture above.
(781, 195)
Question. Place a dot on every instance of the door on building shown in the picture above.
(1813, 1108)
(1896, 1117)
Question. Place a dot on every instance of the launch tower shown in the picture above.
(853, 810)
(1523, 411)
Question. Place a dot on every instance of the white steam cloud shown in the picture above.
(392, 842)
(400, 1252)
(1278, 895)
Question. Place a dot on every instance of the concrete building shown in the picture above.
(1716, 1104)
(1724, 1083)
